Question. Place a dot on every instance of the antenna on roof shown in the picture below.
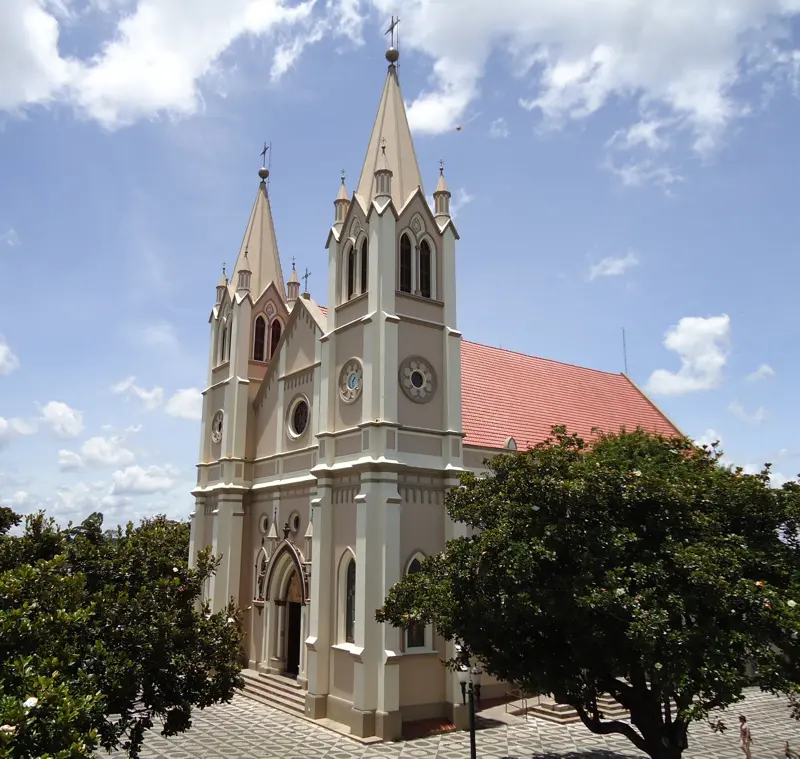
(624, 351)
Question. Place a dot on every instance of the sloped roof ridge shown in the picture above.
(541, 358)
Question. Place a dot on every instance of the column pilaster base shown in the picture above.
(362, 724)
(316, 706)
(460, 716)
(389, 725)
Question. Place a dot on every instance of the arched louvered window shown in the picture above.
(405, 264)
(274, 337)
(350, 602)
(260, 339)
(364, 265)
(425, 269)
(415, 632)
(351, 273)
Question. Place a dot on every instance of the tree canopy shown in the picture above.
(102, 636)
(638, 566)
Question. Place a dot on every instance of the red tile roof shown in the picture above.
(507, 394)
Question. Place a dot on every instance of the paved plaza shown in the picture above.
(245, 729)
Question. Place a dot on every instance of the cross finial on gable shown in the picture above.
(441, 167)
(305, 278)
(392, 27)
(264, 156)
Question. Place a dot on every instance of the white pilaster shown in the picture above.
(198, 530)
(320, 618)
(227, 541)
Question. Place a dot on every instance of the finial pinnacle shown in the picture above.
(441, 167)
(224, 273)
(343, 176)
(383, 145)
(393, 54)
(293, 269)
(263, 172)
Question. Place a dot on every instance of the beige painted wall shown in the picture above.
(422, 680)
(426, 342)
(349, 344)
(341, 675)
(267, 419)
(300, 343)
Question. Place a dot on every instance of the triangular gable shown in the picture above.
(319, 325)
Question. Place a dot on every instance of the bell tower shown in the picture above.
(390, 407)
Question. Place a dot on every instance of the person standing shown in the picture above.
(745, 736)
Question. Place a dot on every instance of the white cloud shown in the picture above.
(707, 438)
(137, 479)
(702, 345)
(763, 371)
(739, 412)
(11, 428)
(63, 420)
(106, 451)
(459, 200)
(145, 68)
(161, 335)
(613, 267)
(151, 399)
(69, 460)
(8, 361)
(499, 129)
(9, 238)
(186, 404)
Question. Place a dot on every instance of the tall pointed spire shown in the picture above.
(260, 246)
(392, 131)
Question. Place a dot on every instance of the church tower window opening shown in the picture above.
(274, 336)
(364, 265)
(415, 632)
(223, 344)
(405, 264)
(351, 273)
(425, 269)
(260, 339)
(350, 602)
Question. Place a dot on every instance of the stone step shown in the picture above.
(279, 692)
(564, 714)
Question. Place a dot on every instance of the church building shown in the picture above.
(330, 436)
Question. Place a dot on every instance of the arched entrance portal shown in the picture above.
(286, 617)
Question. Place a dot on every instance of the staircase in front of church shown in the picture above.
(274, 690)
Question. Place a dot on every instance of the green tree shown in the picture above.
(102, 636)
(638, 566)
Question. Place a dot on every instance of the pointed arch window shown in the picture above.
(415, 632)
(405, 264)
(425, 269)
(274, 337)
(351, 273)
(350, 602)
(364, 264)
(260, 339)
(223, 344)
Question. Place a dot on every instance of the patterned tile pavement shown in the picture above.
(245, 729)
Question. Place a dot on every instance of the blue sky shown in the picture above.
(624, 164)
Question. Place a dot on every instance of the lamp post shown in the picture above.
(470, 681)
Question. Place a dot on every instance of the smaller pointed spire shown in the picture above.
(245, 273)
(293, 287)
(341, 204)
(383, 175)
(222, 285)
(441, 197)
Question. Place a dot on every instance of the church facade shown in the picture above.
(331, 435)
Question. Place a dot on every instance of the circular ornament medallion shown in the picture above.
(417, 379)
(216, 427)
(351, 380)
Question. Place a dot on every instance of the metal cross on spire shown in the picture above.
(264, 156)
(383, 144)
(305, 279)
(343, 176)
(441, 166)
(392, 26)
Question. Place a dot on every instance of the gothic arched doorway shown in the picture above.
(286, 617)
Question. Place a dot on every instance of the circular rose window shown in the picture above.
(298, 417)
(417, 379)
(350, 380)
